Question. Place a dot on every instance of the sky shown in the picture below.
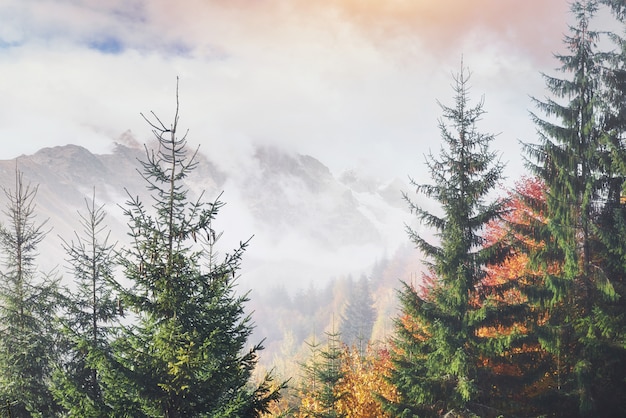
(354, 83)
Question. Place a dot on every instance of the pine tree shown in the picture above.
(567, 153)
(329, 375)
(309, 381)
(618, 8)
(436, 360)
(358, 315)
(608, 318)
(323, 373)
(90, 310)
(572, 160)
(27, 306)
(184, 356)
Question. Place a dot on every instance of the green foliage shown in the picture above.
(184, 353)
(358, 315)
(579, 158)
(436, 361)
(171, 338)
(27, 306)
(323, 373)
(576, 160)
(89, 312)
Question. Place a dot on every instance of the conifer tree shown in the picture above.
(567, 156)
(358, 315)
(572, 159)
(522, 372)
(27, 306)
(309, 381)
(323, 372)
(90, 310)
(608, 318)
(185, 354)
(437, 349)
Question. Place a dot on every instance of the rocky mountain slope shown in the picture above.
(308, 224)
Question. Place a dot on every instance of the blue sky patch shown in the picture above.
(9, 44)
(107, 45)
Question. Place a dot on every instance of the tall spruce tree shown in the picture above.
(573, 160)
(89, 313)
(437, 367)
(358, 315)
(27, 309)
(185, 354)
(567, 155)
(608, 318)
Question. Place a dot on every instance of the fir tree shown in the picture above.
(323, 373)
(309, 381)
(608, 318)
(184, 356)
(573, 160)
(522, 370)
(358, 315)
(436, 360)
(27, 309)
(567, 155)
(618, 8)
(90, 311)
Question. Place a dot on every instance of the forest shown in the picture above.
(520, 311)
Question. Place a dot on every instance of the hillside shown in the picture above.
(312, 230)
(308, 225)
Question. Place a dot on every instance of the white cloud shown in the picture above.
(353, 83)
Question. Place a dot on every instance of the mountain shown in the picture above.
(312, 231)
(308, 225)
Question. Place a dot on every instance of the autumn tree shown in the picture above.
(364, 382)
(436, 365)
(522, 373)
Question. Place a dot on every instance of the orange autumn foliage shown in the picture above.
(364, 380)
(503, 280)
(517, 270)
(517, 264)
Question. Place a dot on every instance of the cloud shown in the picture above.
(532, 27)
(529, 25)
(239, 25)
(352, 82)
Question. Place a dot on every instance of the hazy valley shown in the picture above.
(314, 233)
